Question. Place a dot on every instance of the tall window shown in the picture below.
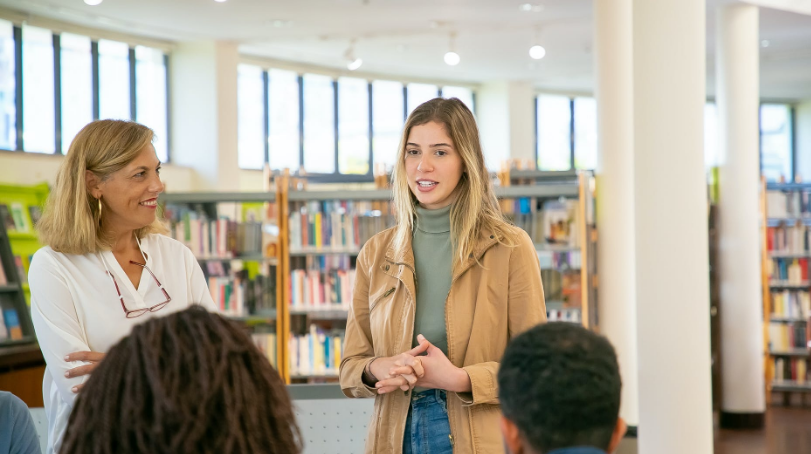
(76, 85)
(8, 106)
(464, 94)
(151, 96)
(319, 124)
(711, 158)
(387, 121)
(353, 126)
(585, 133)
(554, 132)
(283, 101)
(775, 142)
(38, 91)
(114, 80)
(251, 116)
(419, 93)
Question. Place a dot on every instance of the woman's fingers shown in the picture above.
(77, 388)
(84, 356)
(80, 371)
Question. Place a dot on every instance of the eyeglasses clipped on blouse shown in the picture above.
(140, 312)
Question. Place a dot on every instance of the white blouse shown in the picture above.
(75, 307)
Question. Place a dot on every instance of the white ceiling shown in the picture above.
(409, 37)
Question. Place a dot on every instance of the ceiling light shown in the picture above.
(537, 52)
(765, 43)
(352, 62)
(93, 2)
(530, 8)
(451, 57)
(220, 1)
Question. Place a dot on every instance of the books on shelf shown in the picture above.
(794, 369)
(563, 315)
(787, 240)
(11, 322)
(787, 336)
(3, 277)
(559, 260)
(555, 223)
(788, 271)
(266, 343)
(791, 304)
(237, 292)
(336, 224)
(321, 282)
(795, 203)
(316, 353)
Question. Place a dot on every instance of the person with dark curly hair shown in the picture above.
(187, 383)
(560, 392)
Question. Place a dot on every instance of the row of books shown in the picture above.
(10, 325)
(16, 218)
(792, 239)
(561, 261)
(787, 336)
(791, 304)
(21, 262)
(336, 224)
(790, 271)
(795, 369)
(220, 238)
(237, 292)
(788, 204)
(556, 222)
(316, 353)
(565, 315)
(266, 343)
(321, 287)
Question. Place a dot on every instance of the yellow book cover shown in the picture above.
(318, 239)
(337, 349)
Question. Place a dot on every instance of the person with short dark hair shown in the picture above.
(17, 432)
(560, 392)
(191, 382)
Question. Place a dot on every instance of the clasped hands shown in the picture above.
(425, 365)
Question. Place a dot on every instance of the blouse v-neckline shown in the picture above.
(122, 276)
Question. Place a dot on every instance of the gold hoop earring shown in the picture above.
(98, 221)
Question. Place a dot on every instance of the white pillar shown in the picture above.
(672, 263)
(803, 137)
(616, 260)
(204, 112)
(743, 398)
(506, 120)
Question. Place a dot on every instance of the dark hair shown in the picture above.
(189, 382)
(560, 384)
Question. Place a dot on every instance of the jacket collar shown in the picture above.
(485, 241)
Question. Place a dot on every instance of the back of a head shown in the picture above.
(559, 383)
(189, 382)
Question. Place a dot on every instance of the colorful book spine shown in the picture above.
(316, 353)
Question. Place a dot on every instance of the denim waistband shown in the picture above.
(428, 396)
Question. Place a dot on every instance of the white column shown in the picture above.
(672, 263)
(803, 137)
(506, 120)
(616, 259)
(743, 401)
(204, 112)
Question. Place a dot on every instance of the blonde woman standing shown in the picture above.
(437, 297)
(105, 266)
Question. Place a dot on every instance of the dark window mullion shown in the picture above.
(336, 119)
(571, 134)
(371, 131)
(405, 102)
(94, 55)
(133, 90)
(439, 92)
(301, 121)
(18, 96)
(57, 45)
(792, 121)
(266, 113)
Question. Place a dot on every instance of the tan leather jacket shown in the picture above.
(495, 300)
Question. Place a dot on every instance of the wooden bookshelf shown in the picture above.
(12, 300)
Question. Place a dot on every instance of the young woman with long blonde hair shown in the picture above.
(438, 297)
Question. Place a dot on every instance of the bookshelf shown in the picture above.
(15, 317)
(319, 233)
(785, 256)
(20, 208)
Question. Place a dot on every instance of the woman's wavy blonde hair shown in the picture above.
(71, 222)
(476, 207)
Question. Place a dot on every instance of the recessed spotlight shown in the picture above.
(220, 1)
(537, 52)
(93, 2)
(354, 64)
(452, 58)
(765, 43)
(530, 8)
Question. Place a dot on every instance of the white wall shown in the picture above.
(506, 118)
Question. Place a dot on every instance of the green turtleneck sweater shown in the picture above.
(433, 258)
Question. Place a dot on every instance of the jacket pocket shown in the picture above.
(380, 298)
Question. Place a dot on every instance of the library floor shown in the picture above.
(788, 431)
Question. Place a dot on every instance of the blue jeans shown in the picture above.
(427, 429)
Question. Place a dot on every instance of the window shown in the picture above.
(319, 124)
(419, 93)
(353, 126)
(554, 132)
(39, 129)
(151, 96)
(711, 158)
(76, 85)
(251, 117)
(114, 80)
(283, 94)
(387, 121)
(585, 133)
(8, 93)
(775, 142)
(464, 94)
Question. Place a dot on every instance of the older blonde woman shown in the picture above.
(438, 297)
(106, 266)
